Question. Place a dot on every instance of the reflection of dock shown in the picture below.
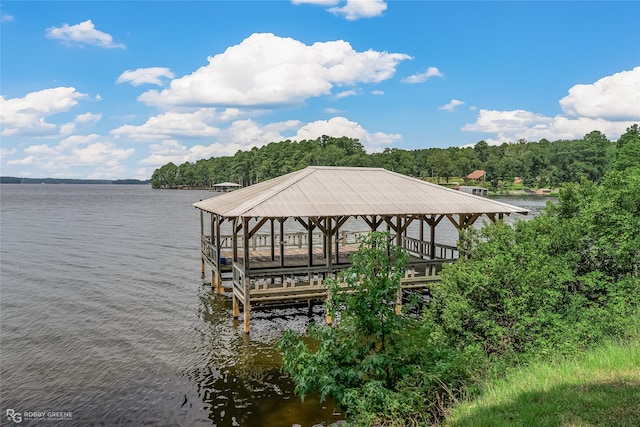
(269, 263)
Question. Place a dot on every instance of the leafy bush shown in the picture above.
(555, 284)
(382, 367)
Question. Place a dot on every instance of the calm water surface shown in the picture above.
(103, 314)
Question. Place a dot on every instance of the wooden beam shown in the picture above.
(257, 227)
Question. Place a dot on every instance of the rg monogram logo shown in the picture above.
(14, 416)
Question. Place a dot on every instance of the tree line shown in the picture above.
(539, 164)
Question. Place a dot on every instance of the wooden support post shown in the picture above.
(281, 220)
(247, 280)
(236, 308)
(273, 241)
(203, 275)
(329, 236)
(421, 238)
(219, 287)
(310, 243)
(247, 309)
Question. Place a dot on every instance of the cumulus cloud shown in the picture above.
(615, 97)
(84, 33)
(102, 157)
(422, 77)
(317, 2)
(265, 70)
(609, 105)
(510, 126)
(356, 9)
(451, 106)
(88, 117)
(27, 116)
(173, 151)
(352, 10)
(5, 17)
(172, 124)
(149, 75)
(347, 93)
(340, 126)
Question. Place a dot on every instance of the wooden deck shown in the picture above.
(294, 279)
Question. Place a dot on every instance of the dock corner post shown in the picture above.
(203, 275)
(236, 308)
(246, 304)
(219, 287)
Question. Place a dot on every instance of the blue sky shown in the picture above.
(116, 89)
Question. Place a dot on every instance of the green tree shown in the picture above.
(628, 149)
(380, 366)
(552, 285)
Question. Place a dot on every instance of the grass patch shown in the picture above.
(601, 387)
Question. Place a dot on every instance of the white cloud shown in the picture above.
(422, 77)
(347, 93)
(356, 9)
(27, 116)
(88, 117)
(265, 70)
(317, 2)
(340, 126)
(510, 126)
(377, 92)
(4, 152)
(173, 151)
(249, 133)
(615, 97)
(352, 10)
(82, 33)
(5, 17)
(172, 124)
(333, 111)
(149, 75)
(451, 106)
(587, 108)
(101, 157)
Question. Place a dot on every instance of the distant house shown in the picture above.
(225, 187)
(476, 175)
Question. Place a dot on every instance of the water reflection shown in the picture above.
(239, 378)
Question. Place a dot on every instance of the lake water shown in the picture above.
(104, 316)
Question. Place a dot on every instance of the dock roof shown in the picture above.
(323, 191)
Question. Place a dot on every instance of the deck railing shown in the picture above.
(423, 249)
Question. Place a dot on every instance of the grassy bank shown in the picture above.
(598, 388)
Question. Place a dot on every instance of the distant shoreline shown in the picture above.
(16, 180)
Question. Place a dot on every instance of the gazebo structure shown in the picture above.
(281, 238)
(225, 187)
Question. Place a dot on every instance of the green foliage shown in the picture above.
(380, 366)
(540, 164)
(551, 285)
